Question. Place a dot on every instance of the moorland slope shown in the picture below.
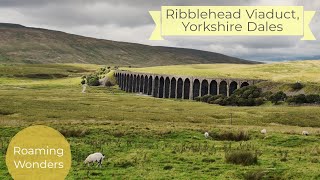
(20, 44)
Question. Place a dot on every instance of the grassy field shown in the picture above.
(304, 71)
(278, 75)
(147, 138)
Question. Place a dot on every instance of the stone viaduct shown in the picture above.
(179, 87)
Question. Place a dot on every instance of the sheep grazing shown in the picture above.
(96, 157)
(206, 135)
(305, 133)
(263, 131)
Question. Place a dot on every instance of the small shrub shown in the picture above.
(241, 157)
(258, 101)
(212, 99)
(284, 159)
(118, 134)
(304, 99)
(299, 99)
(167, 167)
(246, 96)
(206, 98)
(277, 97)
(221, 101)
(248, 92)
(231, 136)
(296, 86)
(313, 98)
(93, 80)
(266, 95)
(103, 69)
(104, 72)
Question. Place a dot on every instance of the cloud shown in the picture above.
(128, 20)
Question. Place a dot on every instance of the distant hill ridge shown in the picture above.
(20, 44)
(7, 25)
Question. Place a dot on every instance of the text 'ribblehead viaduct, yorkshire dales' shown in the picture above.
(179, 87)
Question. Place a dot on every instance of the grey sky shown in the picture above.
(129, 20)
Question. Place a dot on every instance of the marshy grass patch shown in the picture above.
(5, 112)
(241, 157)
(291, 140)
(230, 136)
(41, 76)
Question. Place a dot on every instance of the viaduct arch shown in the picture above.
(179, 87)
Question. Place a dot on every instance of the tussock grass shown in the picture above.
(5, 112)
(74, 132)
(242, 157)
(255, 175)
(230, 136)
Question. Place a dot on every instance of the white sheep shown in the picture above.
(305, 133)
(206, 135)
(263, 131)
(95, 157)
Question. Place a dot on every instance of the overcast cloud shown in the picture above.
(129, 20)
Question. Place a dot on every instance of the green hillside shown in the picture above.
(19, 44)
(305, 71)
(279, 76)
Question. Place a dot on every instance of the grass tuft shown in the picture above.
(6, 112)
(255, 175)
(74, 132)
(167, 167)
(241, 157)
(124, 164)
(231, 136)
